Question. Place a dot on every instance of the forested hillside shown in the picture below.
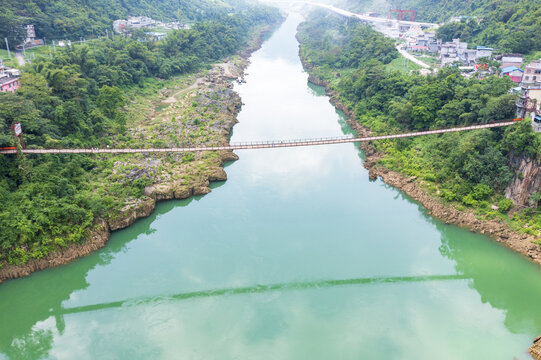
(470, 169)
(507, 25)
(79, 18)
(77, 99)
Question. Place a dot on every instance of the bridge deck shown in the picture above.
(270, 144)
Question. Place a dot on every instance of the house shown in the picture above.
(452, 51)
(9, 82)
(512, 60)
(532, 74)
(514, 73)
(484, 52)
(140, 22)
(156, 36)
(119, 26)
(535, 97)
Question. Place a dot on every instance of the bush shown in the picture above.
(469, 200)
(481, 192)
(504, 205)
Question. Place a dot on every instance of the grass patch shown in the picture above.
(11, 63)
(402, 64)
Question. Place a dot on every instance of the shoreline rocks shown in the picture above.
(535, 349)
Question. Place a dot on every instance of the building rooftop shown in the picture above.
(511, 68)
(5, 79)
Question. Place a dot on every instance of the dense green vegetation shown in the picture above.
(72, 19)
(508, 25)
(77, 99)
(338, 44)
(467, 168)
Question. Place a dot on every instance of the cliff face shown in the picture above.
(527, 179)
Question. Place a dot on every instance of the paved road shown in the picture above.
(20, 58)
(408, 56)
(376, 20)
(260, 144)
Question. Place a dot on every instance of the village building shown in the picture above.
(511, 60)
(9, 79)
(514, 73)
(457, 51)
(529, 104)
(30, 40)
(451, 51)
(532, 74)
(121, 26)
(483, 51)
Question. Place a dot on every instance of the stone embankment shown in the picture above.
(219, 80)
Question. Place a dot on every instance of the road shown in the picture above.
(408, 56)
(380, 21)
(20, 58)
(375, 20)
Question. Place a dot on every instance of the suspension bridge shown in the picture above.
(269, 144)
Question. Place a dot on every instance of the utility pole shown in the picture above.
(54, 46)
(7, 47)
(107, 33)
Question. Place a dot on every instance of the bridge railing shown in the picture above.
(261, 143)
(290, 141)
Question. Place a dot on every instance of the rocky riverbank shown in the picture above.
(498, 230)
(209, 107)
(535, 349)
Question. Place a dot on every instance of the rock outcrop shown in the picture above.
(535, 349)
(527, 179)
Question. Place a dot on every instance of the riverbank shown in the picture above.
(203, 111)
(497, 230)
(535, 349)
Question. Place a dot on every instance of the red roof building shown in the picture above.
(9, 84)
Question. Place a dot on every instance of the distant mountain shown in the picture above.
(82, 18)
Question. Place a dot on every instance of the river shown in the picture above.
(297, 256)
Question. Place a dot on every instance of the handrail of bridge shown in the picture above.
(262, 144)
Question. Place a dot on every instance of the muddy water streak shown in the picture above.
(296, 256)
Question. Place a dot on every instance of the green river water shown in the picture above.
(296, 256)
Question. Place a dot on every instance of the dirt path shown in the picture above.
(174, 98)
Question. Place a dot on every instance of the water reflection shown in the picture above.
(26, 302)
(507, 282)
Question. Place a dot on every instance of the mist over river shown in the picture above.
(297, 256)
